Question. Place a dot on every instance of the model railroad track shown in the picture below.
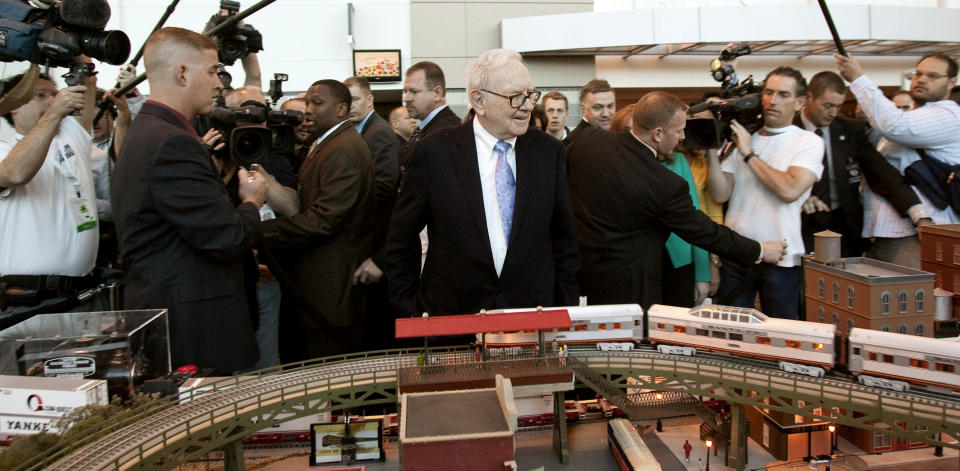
(205, 411)
(145, 437)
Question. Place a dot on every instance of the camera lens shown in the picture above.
(112, 47)
(250, 145)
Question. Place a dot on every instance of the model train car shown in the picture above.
(879, 359)
(631, 453)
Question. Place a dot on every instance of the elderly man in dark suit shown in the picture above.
(834, 202)
(627, 203)
(493, 195)
(331, 235)
(182, 240)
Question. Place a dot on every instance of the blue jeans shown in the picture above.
(779, 288)
(268, 298)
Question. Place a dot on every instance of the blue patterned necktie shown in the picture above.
(506, 187)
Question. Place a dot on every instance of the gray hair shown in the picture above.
(479, 71)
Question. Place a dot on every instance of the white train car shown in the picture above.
(615, 324)
(895, 361)
(800, 347)
(630, 451)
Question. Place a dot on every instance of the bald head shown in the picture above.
(182, 70)
(239, 96)
(168, 47)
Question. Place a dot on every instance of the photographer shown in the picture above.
(766, 180)
(932, 128)
(48, 220)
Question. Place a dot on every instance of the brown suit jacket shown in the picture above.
(331, 235)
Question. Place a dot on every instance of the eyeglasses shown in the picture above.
(517, 100)
(931, 76)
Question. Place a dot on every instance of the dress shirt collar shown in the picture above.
(488, 140)
(425, 121)
(644, 144)
(807, 124)
(363, 123)
(329, 132)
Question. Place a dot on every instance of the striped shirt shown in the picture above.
(934, 127)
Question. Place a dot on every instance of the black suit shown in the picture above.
(853, 156)
(572, 135)
(444, 119)
(626, 204)
(443, 191)
(378, 332)
(384, 151)
(182, 242)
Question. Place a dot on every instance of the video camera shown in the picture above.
(262, 132)
(236, 41)
(739, 100)
(48, 32)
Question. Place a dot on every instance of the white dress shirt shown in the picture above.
(934, 127)
(487, 163)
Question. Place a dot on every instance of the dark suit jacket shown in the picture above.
(443, 192)
(385, 153)
(854, 157)
(182, 242)
(626, 204)
(444, 119)
(332, 233)
(572, 135)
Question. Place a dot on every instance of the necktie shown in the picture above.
(414, 137)
(825, 196)
(506, 187)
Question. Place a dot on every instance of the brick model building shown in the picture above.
(866, 293)
(940, 255)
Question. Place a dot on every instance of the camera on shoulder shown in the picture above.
(53, 33)
(738, 100)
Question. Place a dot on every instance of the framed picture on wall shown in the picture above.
(378, 65)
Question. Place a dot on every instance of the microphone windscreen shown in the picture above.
(89, 14)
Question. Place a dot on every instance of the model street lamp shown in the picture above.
(709, 445)
(833, 437)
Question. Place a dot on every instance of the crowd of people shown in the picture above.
(316, 251)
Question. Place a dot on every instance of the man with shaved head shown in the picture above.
(627, 204)
(181, 238)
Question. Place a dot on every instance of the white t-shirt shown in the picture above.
(755, 211)
(49, 226)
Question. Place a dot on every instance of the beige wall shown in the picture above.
(451, 33)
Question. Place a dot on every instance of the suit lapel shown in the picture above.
(464, 160)
(526, 175)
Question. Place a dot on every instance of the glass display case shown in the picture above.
(122, 347)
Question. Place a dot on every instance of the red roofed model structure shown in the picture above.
(511, 321)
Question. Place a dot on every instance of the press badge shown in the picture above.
(85, 216)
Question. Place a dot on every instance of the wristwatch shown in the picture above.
(749, 156)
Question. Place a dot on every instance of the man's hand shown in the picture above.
(741, 137)
(701, 289)
(814, 204)
(773, 251)
(253, 189)
(850, 69)
(367, 273)
(126, 75)
(68, 100)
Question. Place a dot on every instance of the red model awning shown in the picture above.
(476, 323)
